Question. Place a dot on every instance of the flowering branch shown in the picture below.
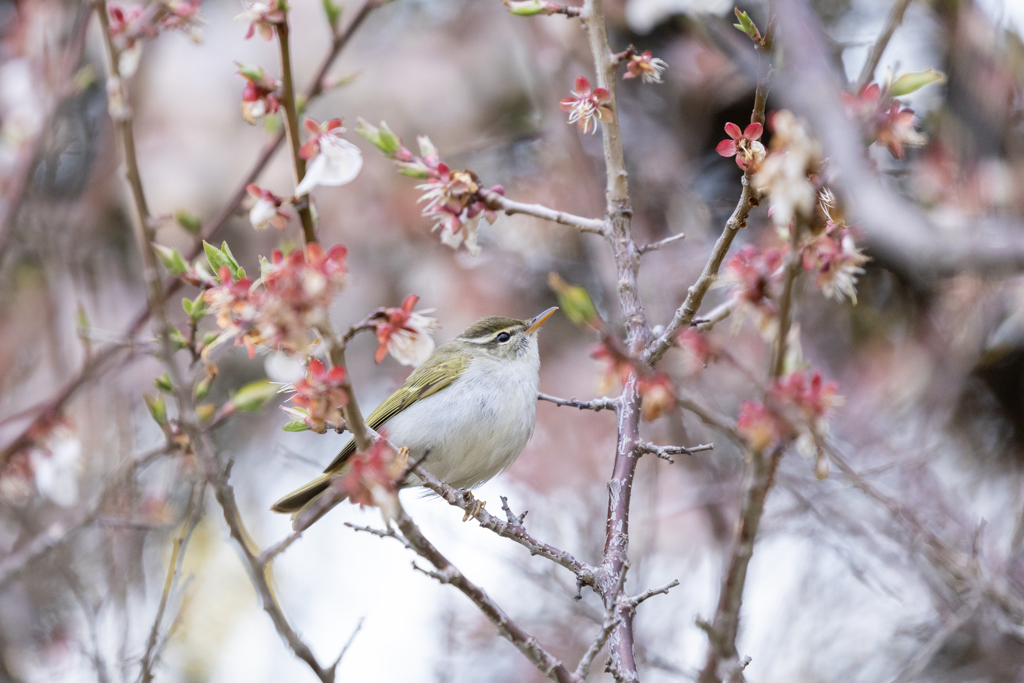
(103, 359)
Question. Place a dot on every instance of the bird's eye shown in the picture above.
(503, 337)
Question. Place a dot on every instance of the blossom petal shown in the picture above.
(733, 131)
(582, 87)
(753, 131)
(727, 148)
(338, 163)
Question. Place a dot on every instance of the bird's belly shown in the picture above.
(473, 430)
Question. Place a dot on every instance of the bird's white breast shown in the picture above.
(476, 427)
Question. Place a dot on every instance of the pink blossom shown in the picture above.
(319, 397)
(236, 307)
(263, 18)
(883, 119)
(745, 146)
(657, 396)
(406, 334)
(335, 160)
(586, 106)
(837, 261)
(646, 67)
(759, 426)
(259, 97)
(454, 202)
(268, 209)
(371, 478)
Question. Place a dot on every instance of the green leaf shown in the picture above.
(526, 8)
(217, 259)
(157, 407)
(427, 148)
(912, 82)
(172, 259)
(250, 72)
(231, 257)
(296, 426)
(382, 138)
(746, 25)
(205, 411)
(179, 339)
(163, 383)
(203, 388)
(333, 13)
(199, 308)
(188, 221)
(254, 395)
(574, 301)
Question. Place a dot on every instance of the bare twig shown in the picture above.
(714, 316)
(926, 654)
(448, 573)
(666, 452)
(512, 528)
(499, 202)
(749, 198)
(583, 668)
(895, 18)
(192, 516)
(655, 246)
(596, 404)
(651, 592)
(792, 270)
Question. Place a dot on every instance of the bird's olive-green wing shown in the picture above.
(426, 380)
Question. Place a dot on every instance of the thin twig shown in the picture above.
(666, 452)
(512, 528)
(583, 668)
(499, 202)
(651, 592)
(597, 404)
(193, 514)
(291, 127)
(655, 246)
(893, 21)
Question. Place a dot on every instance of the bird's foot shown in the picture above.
(478, 505)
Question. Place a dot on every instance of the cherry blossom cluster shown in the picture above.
(798, 406)
(290, 300)
(645, 67)
(319, 397)
(372, 476)
(455, 200)
(129, 26)
(752, 275)
(790, 172)
(884, 119)
(832, 255)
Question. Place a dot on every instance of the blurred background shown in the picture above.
(931, 362)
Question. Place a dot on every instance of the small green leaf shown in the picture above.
(205, 411)
(199, 308)
(526, 8)
(172, 259)
(188, 221)
(382, 138)
(427, 148)
(163, 383)
(912, 82)
(232, 262)
(296, 426)
(179, 339)
(216, 258)
(333, 13)
(254, 395)
(746, 25)
(203, 387)
(574, 301)
(157, 407)
(250, 72)
(186, 304)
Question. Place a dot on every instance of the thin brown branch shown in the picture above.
(651, 592)
(354, 421)
(655, 246)
(497, 202)
(793, 268)
(291, 127)
(749, 198)
(722, 657)
(447, 573)
(666, 452)
(893, 21)
(583, 668)
(62, 530)
(193, 514)
(596, 404)
(512, 528)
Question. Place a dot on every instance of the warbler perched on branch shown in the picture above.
(472, 404)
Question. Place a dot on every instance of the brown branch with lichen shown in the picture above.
(291, 126)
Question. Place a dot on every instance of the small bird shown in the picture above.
(472, 404)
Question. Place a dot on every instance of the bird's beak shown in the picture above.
(539, 320)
